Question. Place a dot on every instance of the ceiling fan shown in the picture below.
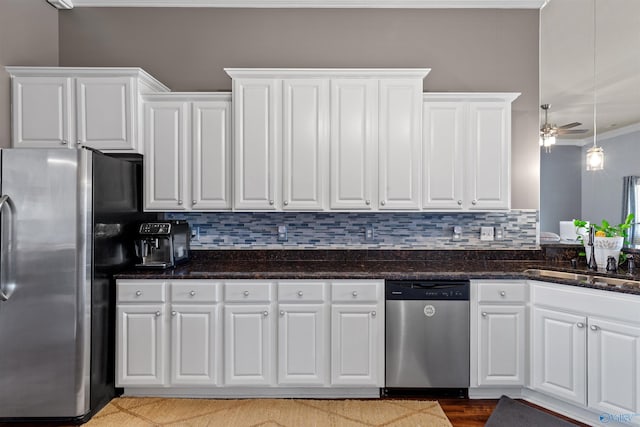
(549, 132)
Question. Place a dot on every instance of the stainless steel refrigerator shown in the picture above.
(67, 221)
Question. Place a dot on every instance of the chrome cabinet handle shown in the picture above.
(266, 313)
(367, 202)
(179, 202)
(580, 325)
(286, 202)
(373, 314)
(158, 313)
(354, 293)
(281, 313)
(594, 327)
(502, 293)
(474, 202)
(138, 293)
(299, 293)
(192, 293)
(460, 202)
(383, 203)
(173, 313)
(484, 314)
(193, 202)
(6, 251)
(63, 142)
(246, 293)
(271, 202)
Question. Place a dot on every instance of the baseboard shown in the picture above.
(255, 392)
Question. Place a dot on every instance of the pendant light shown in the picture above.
(595, 154)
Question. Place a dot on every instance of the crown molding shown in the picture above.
(323, 4)
(301, 73)
(625, 130)
(61, 4)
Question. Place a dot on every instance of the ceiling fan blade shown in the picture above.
(569, 125)
(571, 131)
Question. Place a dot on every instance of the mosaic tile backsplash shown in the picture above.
(331, 230)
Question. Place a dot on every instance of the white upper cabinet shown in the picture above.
(399, 143)
(305, 143)
(354, 143)
(187, 165)
(308, 139)
(256, 105)
(96, 107)
(467, 151)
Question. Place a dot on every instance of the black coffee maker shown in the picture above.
(162, 244)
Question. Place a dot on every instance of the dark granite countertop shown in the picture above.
(393, 265)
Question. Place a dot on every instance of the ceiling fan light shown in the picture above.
(595, 158)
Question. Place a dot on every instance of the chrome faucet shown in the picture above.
(612, 265)
(631, 266)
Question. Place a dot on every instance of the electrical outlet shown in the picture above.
(368, 232)
(457, 232)
(486, 233)
(282, 233)
(195, 234)
(499, 233)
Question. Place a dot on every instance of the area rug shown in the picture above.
(509, 413)
(145, 412)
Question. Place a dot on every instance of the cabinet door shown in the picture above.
(305, 143)
(443, 162)
(41, 111)
(194, 344)
(354, 143)
(210, 156)
(489, 158)
(356, 345)
(502, 345)
(106, 108)
(166, 138)
(560, 354)
(248, 345)
(140, 345)
(400, 131)
(256, 118)
(302, 345)
(614, 367)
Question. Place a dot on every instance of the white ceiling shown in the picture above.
(567, 63)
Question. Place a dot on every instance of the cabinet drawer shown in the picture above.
(356, 291)
(248, 291)
(195, 291)
(502, 292)
(301, 291)
(141, 291)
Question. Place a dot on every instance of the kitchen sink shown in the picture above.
(585, 278)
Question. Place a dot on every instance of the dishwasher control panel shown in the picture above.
(427, 290)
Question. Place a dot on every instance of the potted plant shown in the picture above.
(608, 239)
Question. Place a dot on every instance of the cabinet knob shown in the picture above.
(266, 313)
(502, 293)
(179, 202)
(271, 202)
(460, 202)
(63, 142)
(281, 313)
(286, 202)
(354, 293)
(138, 293)
(373, 314)
(580, 325)
(173, 313)
(246, 293)
(594, 327)
(383, 203)
(474, 202)
(367, 202)
(193, 202)
(192, 293)
(158, 313)
(484, 314)
(299, 293)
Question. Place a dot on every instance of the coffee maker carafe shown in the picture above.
(162, 244)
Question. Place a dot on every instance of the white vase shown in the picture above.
(604, 247)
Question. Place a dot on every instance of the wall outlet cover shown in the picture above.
(486, 233)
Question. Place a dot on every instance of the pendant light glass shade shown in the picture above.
(595, 158)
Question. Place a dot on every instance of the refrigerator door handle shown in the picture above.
(5, 248)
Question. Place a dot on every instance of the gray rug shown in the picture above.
(509, 413)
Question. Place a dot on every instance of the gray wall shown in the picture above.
(602, 190)
(187, 49)
(28, 36)
(560, 186)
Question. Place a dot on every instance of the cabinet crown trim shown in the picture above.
(471, 96)
(135, 72)
(188, 96)
(374, 73)
(395, 4)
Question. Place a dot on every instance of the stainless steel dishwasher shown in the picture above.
(427, 335)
